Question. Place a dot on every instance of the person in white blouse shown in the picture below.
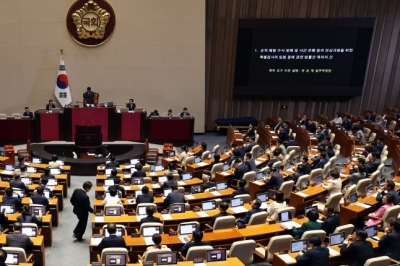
(114, 199)
(157, 245)
(276, 205)
(334, 184)
(338, 119)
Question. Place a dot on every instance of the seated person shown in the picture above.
(217, 159)
(368, 153)
(223, 207)
(46, 174)
(113, 199)
(171, 169)
(331, 220)
(43, 183)
(312, 224)
(113, 174)
(291, 142)
(139, 172)
(249, 161)
(17, 183)
(116, 185)
(274, 159)
(298, 172)
(306, 167)
(241, 190)
(373, 166)
(131, 105)
(375, 218)
(319, 134)
(184, 112)
(3, 219)
(183, 155)
(277, 204)
(174, 197)
(112, 241)
(357, 249)
(357, 176)
(17, 239)
(157, 245)
(88, 96)
(338, 119)
(145, 197)
(53, 163)
(329, 150)
(334, 183)
(359, 134)
(390, 241)
(21, 162)
(27, 217)
(283, 134)
(370, 116)
(346, 124)
(250, 132)
(255, 208)
(28, 113)
(275, 180)
(311, 126)
(250, 146)
(50, 105)
(150, 218)
(234, 157)
(304, 120)
(23, 172)
(203, 149)
(112, 163)
(9, 199)
(240, 169)
(317, 255)
(197, 236)
(282, 146)
(154, 113)
(206, 182)
(388, 188)
(104, 152)
(169, 183)
(40, 198)
(169, 113)
(322, 161)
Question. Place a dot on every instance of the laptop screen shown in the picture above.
(112, 211)
(166, 258)
(318, 180)
(171, 153)
(141, 210)
(109, 182)
(167, 191)
(37, 210)
(137, 180)
(226, 167)
(60, 162)
(55, 171)
(29, 231)
(12, 259)
(221, 185)
(298, 245)
(9, 167)
(284, 216)
(196, 189)
(371, 230)
(158, 168)
(309, 208)
(186, 176)
(133, 170)
(36, 160)
(208, 205)
(137, 193)
(370, 189)
(336, 239)
(30, 169)
(162, 179)
(353, 197)
(108, 171)
(197, 160)
(7, 208)
(150, 230)
(216, 255)
(177, 208)
(260, 175)
(134, 161)
(52, 182)
(115, 259)
(186, 229)
(118, 232)
(237, 202)
(382, 181)
(262, 196)
(26, 180)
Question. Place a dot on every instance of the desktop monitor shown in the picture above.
(109, 182)
(336, 239)
(177, 208)
(26, 180)
(236, 202)
(112, 211)
(260, 175)
(262, 196)
(52, 182)
(141, 210)
(208, 205)
(158, 168)
(29, 230)
(222, 185)
(216, 255)
(37, 210)
(197, 159)
(309, 208)
(137, 193)
(30, 169)
(118, 232)
(298, 245)
(188, 228)
(284, 216)
(12, 258)
(115, 259)
(150, 230)
(318, 180)
(171, 153)
(370, 189)
(134, 161)
(162, 179)
(196, 189)
(166, 258)
(371, 230)
(226, 167)
(137, 180)
(108, 171)
(353, 197)
(36, 160)
(167, 191)
(9, 167)
(7, 208)
(186, 176)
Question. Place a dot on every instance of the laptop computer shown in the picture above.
(109, 182)
(372, 231)
(137, 180)
(370, 189)
(197, 159)
(309, 208)
(186, 176)
(150, 230)
(221, 185)
(7, 208)
(29, 230)
(158, 168)
(166, 258)
(137, 193)
(139, 109)
(110, 103)
(31, 170)
(226, 167)
(318, 180)
(167, 191)
(112, 211)
(162, 179)
(36, 160)
(115, 259)
(108, 171)
(9, 167)
(12, 258)
(118, 232)
(26, 180)
(52, 182)
(177, 208)
(262, 196)
(382, 182)
(141, 210)
(55, 171)
(236, 202)
(216, 255)
(37, 210)
(60, 162)
(298, 245)
(285, 216)
(134, 161)
(208, 205)
(55, 110)
(260, 175)
(188, 228)
(195, 189)
(353, 197)
(171, 153)
(336, 239)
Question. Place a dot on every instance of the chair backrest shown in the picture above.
(20, 251)
(245, 197)
(145, 205)
(378, 261)
(111, 251)
(177, 177)
(367, 132)
(188, 160)
(334, 200)
(197, 252)
(16, 115)
(151, 255)
(337, 152)
(347, 229)
(225, 222)
(121, 226)
(285, 160)
(186, 223)
(218, 167)
(374, 177)
(294, 135)
(249, 176)
(181, 189)
(216, 148)
(3, 116)
(257, 136)
(320, 233)
(276, 244)
(349, 191)
(287, 187)
(384, 148)
(205, 155)
(243, 250)
(384, 153)
(258, 218)
(292, 155)
(255, 150)
(392, 125)
(336, 147)
(31, 225)
(325, 170)
(383, 159)
(313, 175)
(277, 164)
(301, 179)
(332, 135)
(333, 161)
(372, 137)
(296, 149)
(151, 224)
(393, 211)
(362, 187)
(147, 180)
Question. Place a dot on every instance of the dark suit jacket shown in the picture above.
(250, 146)
(240, 171)
(173, 197)
(390, 244)
(318, 256)
(320, 136)
(18, 184)
(379, 148)
(250, 133)
(39, 199)
(182, 114)
(372, 166)
(304, 122)
(190, 244)
(112, 241)
(347, 125)
(321, 163)
(283, 135)
(19, 240)
(30, 114)
(370, 117)
(52, 106)
(272, 161)
(112, 165)
(12, 200)
(239, 191)
(380, 195)
(275, 181)
(330, 153)
(358, 252)
(331, 223)
(252, 165)
(50, 176)
(139, 173)
(89, 97)
(168, 183)
(29, 219)
(307, 226)
(46, 189)
(80, 201)
(150, 219)
(207, 185)
(131, 106)
(290, 143)
(246, 219)
(220, 214)
(119, 188)
(306, 168)
(144, 198)
(311, 127)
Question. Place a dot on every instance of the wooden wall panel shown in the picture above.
(382, 80)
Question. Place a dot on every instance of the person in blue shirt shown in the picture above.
(255, 205)
(322, 160)
(346, 124)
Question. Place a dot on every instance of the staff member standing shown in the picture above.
(81, 203)
(131, 105)
(88, 96)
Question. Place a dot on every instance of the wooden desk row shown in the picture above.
(228, 262)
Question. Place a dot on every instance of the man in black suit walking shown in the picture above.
(81, 203)
(113, 241)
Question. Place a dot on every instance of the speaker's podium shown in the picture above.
(88, 135)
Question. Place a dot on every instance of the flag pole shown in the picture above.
(62, 56)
